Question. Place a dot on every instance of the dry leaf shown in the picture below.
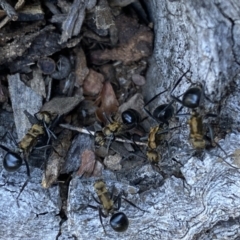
(107, 101)
(90, 166)
(92, 85)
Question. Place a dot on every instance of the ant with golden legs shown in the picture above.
(191, 99)
(12, 160)
(119, 220)
(161, 114)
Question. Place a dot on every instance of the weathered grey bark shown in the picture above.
(202, 36)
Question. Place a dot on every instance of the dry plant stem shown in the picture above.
(10, 11)
(18, 5)
(85, 131)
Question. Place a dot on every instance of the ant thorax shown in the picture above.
(31, 138)
(103, 195)
(112, 128)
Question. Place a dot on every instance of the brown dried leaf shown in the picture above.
(107, 101)
(90, 166)
(135, 42)
(92, 85)
(138, 47)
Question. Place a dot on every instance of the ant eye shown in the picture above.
(12, 162)
(119, 222)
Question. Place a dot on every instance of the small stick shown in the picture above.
(85, 131)
(10, 11)
(18, 6)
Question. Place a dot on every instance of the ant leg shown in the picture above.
(5, 148)
(55, 121)
(176, 84)
(175, 160)
(13, 139)
(49, 132)
(43, 147)
(95, 199)
(159, 116)
(179, 80)
(132, 204)
(153, 98)
(218, 145)
(183, 114)
(112, 192)
(111, 138)
(27, 166)
(107, 118)
(179, 110)
(119, 198)
(100, 213)
(32, 119)
(119, 201)
(93, 207)
(26, 182)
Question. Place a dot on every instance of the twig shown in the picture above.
(18, 5)
(85, 131)
(10, 11)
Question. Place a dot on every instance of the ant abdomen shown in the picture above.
(131, 116)
(12, 162)
(192, 97)
(119, 222)
(163, 112)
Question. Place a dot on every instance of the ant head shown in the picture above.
(163, 113)
(44, 116)
(119, 222)
(192, 97)
(130, 116)
(107, 131)
(12, 162)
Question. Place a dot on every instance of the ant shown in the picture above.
(191, 99)
(12, 161)
(119, 220)
(130, 119)
(161, 114)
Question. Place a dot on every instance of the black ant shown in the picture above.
(161, 114)
(118, 221)
(191, 99)
(130, 119)
(12, 161)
